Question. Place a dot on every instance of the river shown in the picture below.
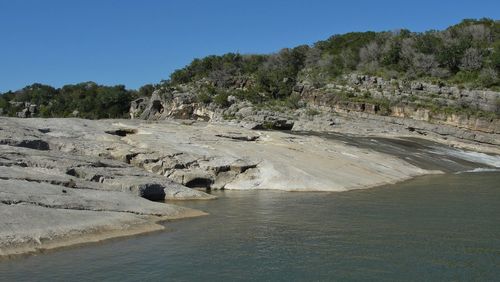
(434, 227)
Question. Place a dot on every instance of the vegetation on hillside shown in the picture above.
(466, 54)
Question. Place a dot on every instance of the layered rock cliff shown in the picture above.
(465, 114)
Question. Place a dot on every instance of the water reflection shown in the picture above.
(437, 227)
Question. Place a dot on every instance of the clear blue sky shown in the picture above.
(142, 41)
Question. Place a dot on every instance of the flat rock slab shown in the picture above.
(57, 197)
(29, 228)
(88, 172)
(276, 160)
(66, 181)
(201, 154)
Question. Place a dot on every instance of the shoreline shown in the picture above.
(97, 236)
(347, 189)
(111, 173)
(154, 224)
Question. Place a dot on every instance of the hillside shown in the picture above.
(463, 57)
(466, 55)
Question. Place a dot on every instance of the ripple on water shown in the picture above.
(436, 227)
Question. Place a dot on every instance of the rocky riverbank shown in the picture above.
(59, 186)
(67, 181)
(357, 104)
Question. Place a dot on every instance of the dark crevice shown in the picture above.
(199, 182)
(239, 137)
(129, 157)
(122, 132)
(44, 130)
(35, 144)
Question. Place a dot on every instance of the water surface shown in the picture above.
(436, 227)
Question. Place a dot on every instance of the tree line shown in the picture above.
(86, 100)
(466, 54)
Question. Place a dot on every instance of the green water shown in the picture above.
(432, 228)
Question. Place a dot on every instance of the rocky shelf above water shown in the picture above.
(66, 181)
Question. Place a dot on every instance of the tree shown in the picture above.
(488, 77)
(472, 60)
(391, 53)
(424, 64)
(495, 57)
(146, 90)
(370, 53)
(278, 75)
(451, 54)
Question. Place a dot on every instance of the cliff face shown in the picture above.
(184, 105)
(443, 110)
(475, 110)
(425, 92)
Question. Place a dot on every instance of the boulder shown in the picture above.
(137, 107)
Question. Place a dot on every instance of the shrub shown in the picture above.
(312, 112)
(293, 101)
(488, 77)
(221, 99)
(203, 98)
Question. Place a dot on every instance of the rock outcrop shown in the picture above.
(162, 160)
(412, 101)
(60, 185)
(24, 109)
(434, 109)
(73, 180)
(184, 105)
(440, 94)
